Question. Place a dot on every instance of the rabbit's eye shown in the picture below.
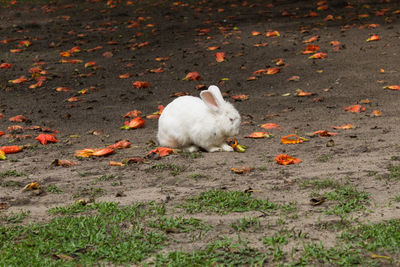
(231, 119)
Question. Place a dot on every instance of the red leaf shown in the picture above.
(121, 144)
(355, 108)
(11, 149)
(44, 138)
(135, 123)
(5, 65)
(285, 159)
(103, 152)
(21, 79)
(162, 151)
(18, 118)
(141, 84)
(267, 126)
(192, 76)
(220, 56)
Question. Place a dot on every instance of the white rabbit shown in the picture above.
(189, 122)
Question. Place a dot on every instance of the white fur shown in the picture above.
(190, 122)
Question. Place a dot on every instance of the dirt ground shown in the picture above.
(127, 37)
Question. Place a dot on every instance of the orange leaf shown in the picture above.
(133, 113)
(376, 113)
(140, 84)
(255, 33)
(125, 76)
(374, 37)
(116, 163)
(212, 48)
(284, 159)
(271, 71)
(24, 43)
(302, 93)
(393, 87)
(135, 123)
(31, 186)
(325, 133)
(90, 64)
(18, 118)
(242, 170)
(267, 126)
(63, 89)
(85, 153)
(162, 151)
(21, 79)
(272, 34)
(312, 39)
(220, 56)
(240, 97)
(310, 49)
(11, 149)
(318, 56)
(103, 152)
(158, 70)
(73, 99)
(2, 133)
(5, 65)
(121, 144)
(64, 163)
(2, 155)
(344, 127)
(162, 58)
(355, 108)
(257, 135)
(192, 76)
(72, 61)
(44, 138)
(291, 139)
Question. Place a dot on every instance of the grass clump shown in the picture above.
(226, 201)
(173, 168)
(85, 239)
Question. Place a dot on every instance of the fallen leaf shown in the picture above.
(103, 152)
(284, 159)
(141, 84)
(291, 139)
(376, 113)
(212, 48)
(257, 135)
(120, 145)
(268, 126)
(192, 76)
(238, 148)
(2, 155)
(242, 170)
(125, 76)
(116, 163)
(157, 70)
(5, 66)
(71, 61)
(294, 78)
(255, 33)
(310, 49)
(317, 201)
(25, 43)
(344, 127)
(271, 71)
(318, 56)
(240, 97)
(21, 79)
(63, 257)
(272, 34)
(4, 205)
(325, 133)
(376, 256)
(90, 64)
(18, 118)
(134, 123)
(11, 149)
(31, 186)
(355, 108)
(312, 39)
(302, 93)
(73, 99)
(133, 113)
(85, 153)
(63, 89)
(392, 87)
(220, 56)
(161, 151)
(64, 163)
(44, 138)
(179, 94)
(374, 37)
(135, 160)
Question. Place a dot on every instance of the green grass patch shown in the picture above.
(178, 224)
(13, 173)
(111, 234)
(226, 201)
(244, 224)
(54, 189)
(223, 252)
(348, 200)
(173, 168)
(14, 217)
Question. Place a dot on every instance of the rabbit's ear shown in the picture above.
(217, 93)
(210, 100)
